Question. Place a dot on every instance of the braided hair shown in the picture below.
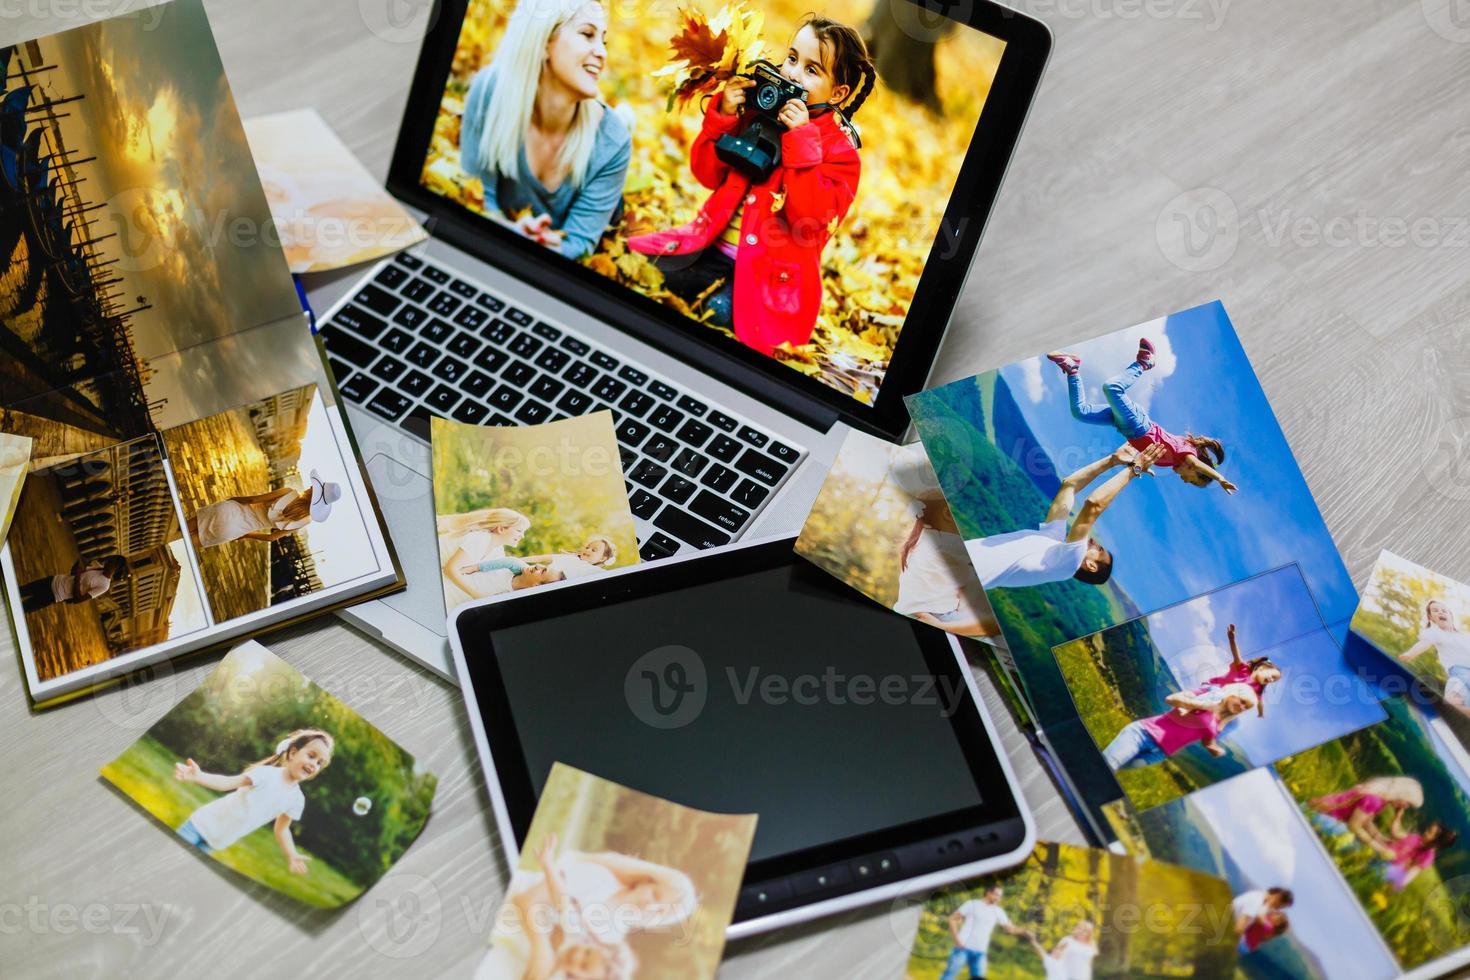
(851, 64)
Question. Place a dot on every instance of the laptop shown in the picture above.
(815, 307)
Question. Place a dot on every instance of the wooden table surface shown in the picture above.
(1305, 162)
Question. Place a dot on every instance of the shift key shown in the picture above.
(719, 511)
(757, 464)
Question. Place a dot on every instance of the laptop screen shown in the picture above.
(777, 178)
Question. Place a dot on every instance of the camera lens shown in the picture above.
(766, 96)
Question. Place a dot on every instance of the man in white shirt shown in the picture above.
(85, 582)
(1248, 907)
(1053, 552)
(971, 925)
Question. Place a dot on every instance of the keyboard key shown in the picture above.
(635, 403)
(662, 390)
(666, 417)
(647, 473)
(492, 303)
(719, 478)
(544, 329)
(463, 288)
(627, 458)
(436, 275)
(633, 376)
(519, 374)
(423, 355)
(498, 332)
(505, 399)
(391, 277)
(580, 374)
(436, 331)
(547, 388)
(470, 412)
(643, 504)
(449, 369)
(694, 433)
(575, 346)
(497, 419)
(720, 420)
(687, 527)
(783, 452)
(417, 422)
(389, 368)
(719, 512)
(418, 290)
(604, 361)
(408, 261)
(358, 387)
(377, 300)
(553, 360)
(396, 340)
(677, 489)
(520, 317)
(692, 405)
(359, 321)
(533, 413)
(690, 463)
(574, 403)
(477, 384)
(416, 383)
(762, 467)
(631, 433)
(524, 345)
(464, 345)
(444, 304)
(410, 317)
(724, 448)
(389, 404)
(442, 399)
(753, 437)
(471, 317)
(750, 494)
(351, 349)
(490, 359)
(609, 388)
(340, 369)
(658, 546)
(661, 448)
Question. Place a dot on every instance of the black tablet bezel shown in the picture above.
(771, 886)
(1028, 44)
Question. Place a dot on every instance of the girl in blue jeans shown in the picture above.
(1193, 458)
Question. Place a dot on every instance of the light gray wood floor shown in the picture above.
(1305, 162)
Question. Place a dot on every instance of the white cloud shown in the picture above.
(1031, 381)
(1251, 817)
(1106, 356)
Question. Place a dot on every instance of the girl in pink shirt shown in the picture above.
(1413, 853)
(1255, 673)
(1149, 741)
(1192, 457)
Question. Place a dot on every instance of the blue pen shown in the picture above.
(305, 303)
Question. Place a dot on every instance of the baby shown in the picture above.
(525, 573)
(1224, 701)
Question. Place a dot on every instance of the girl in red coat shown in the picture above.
(761, 241)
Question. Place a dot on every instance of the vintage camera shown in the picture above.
(756, 150)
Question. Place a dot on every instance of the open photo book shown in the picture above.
(192, 476)
(1187, 649)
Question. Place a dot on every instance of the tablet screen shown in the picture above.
(776, 691)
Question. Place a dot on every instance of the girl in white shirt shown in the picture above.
(85, 581)
(1071, 958)
(1442, 632)
(267, 792)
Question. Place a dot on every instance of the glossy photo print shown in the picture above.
(98, 566)
(1292, 914)
(274, 778)
(522, 506)
(268, 508)
(792, 207)
(1071, 913)
(1121, 476)
(616, 883)
(1202, 691)
(881, 525)
(132, 224)
(1420, 620)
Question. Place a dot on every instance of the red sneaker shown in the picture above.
(1068, 362)
(1145, 353)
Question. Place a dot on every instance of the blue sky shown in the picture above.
(1171, 540)
(1318, 697)
(1262, 830)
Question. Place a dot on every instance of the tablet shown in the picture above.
(744, 680)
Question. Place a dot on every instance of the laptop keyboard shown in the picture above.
(417, 340)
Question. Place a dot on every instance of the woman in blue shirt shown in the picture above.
(536, 133)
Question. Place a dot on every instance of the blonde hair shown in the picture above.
(485, 519)
(295, 742)
(519, 63)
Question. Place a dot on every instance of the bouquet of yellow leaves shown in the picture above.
(708, 52)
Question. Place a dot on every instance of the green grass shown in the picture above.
(145, 772)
